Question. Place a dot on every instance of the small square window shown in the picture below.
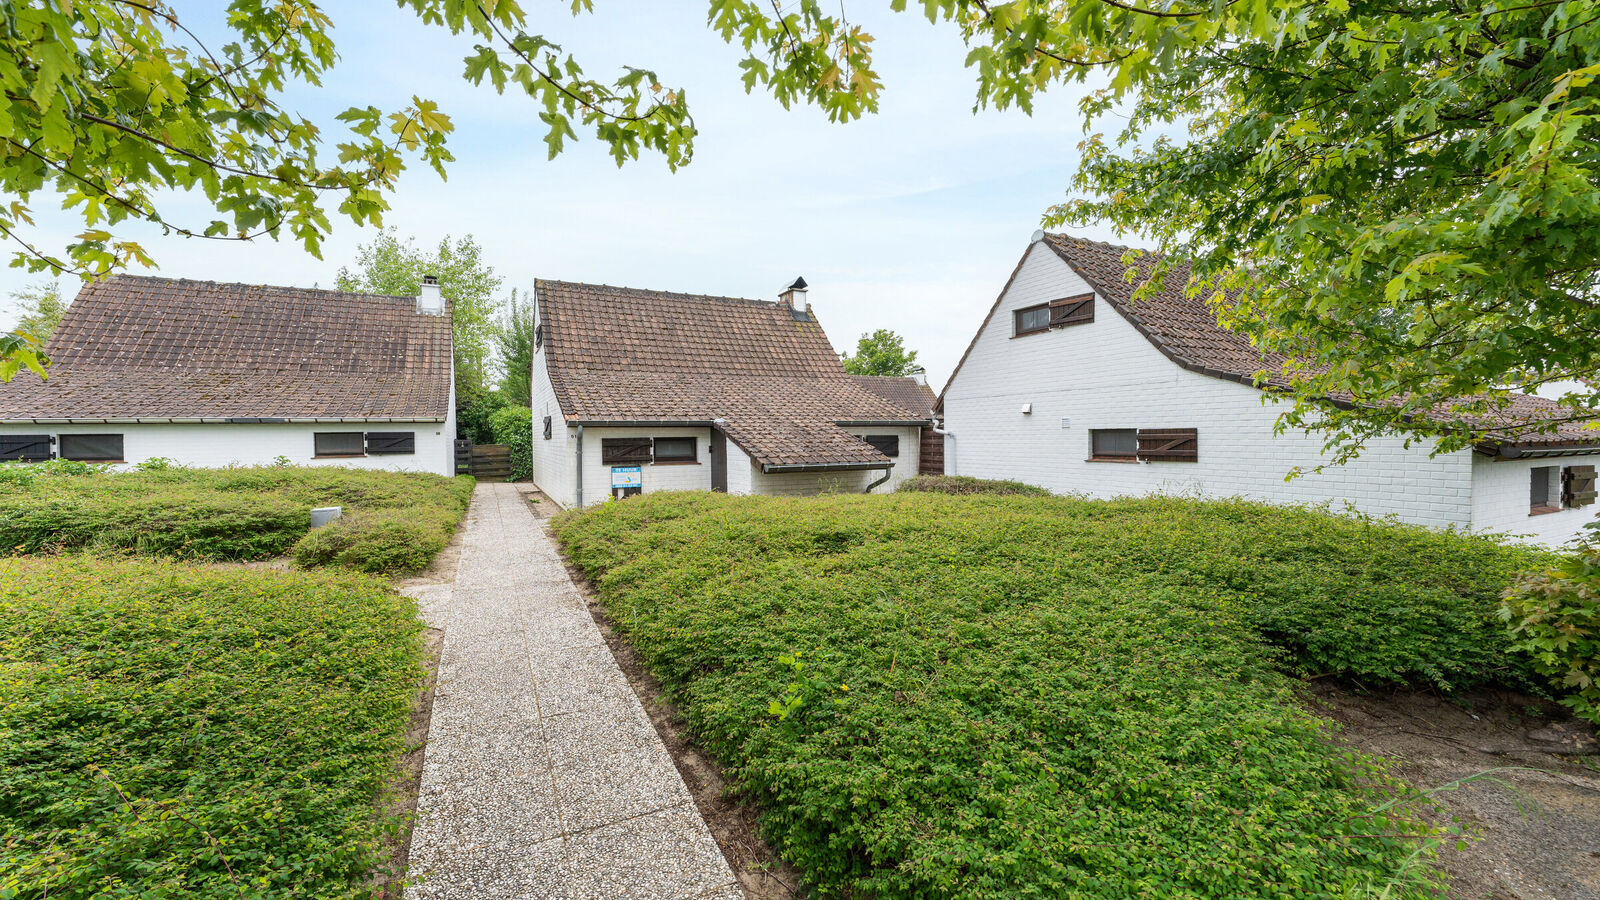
(1114, 443)
(92, 447)
(1033, 319)
(676, 449)
(340, 443)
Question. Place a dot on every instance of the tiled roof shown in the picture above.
(767, 376)
(903, 391)
(1186, 331)
(135, 347)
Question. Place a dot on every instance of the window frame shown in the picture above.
(1548, 500)
(1094, 450)
(675, 459)
(877, 440)
(316, 445)
(62, 440)
(1016, 320)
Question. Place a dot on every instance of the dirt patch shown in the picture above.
(402, 799)
(733, 821)
(543, 506)
(1533, 836)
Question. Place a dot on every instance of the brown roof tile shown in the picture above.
(905, 392)
(769, 377)
(156, 348)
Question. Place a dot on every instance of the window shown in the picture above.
(625, 451)
(92, 447)
(887, 444)
(547, 428)
(1577, 486)
(380, 443)
(1114, 443)
(24, 447)
(1169, 444)
(677, 449)
(1072, 310)
(340, 443)
(1542, 489)
(1033, 319)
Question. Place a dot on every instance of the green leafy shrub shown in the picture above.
(965, 484)
(1554, 616)
(217, 514)
(1000, 696)
(473, 410)
(162, 724)
(513, 426)
(395, 541)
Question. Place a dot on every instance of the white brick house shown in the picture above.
(1070, 383)
(211, 374)
(638, 391)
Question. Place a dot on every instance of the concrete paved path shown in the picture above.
(543, 777)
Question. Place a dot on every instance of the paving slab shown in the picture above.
(543, 777)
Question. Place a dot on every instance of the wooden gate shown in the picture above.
(485, 462)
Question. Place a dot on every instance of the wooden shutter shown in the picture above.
(547, 428)
(1169, 444)
(887, 444)
(625, 451)
(381, 442)
(25, 447)
(1072, 310)
(1577, 486)
(538, 336)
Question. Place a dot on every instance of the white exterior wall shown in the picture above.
(685, 476)
(905, 465)
(217, 445)
(810, 484)
(742, 471)
(1105, 374)
(1500, 491)
(553, 460)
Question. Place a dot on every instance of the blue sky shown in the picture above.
(910, 219)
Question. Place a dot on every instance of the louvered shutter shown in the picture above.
(385, 442)
(1072, 310)
(1577, 486)
(25, 447)
(1169, 444)
(887, 444)
(547, 428)
(625, 451)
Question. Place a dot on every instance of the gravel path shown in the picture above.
(543, 777)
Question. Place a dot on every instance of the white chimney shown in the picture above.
(429, 299)
(920, 375)
(794, 297)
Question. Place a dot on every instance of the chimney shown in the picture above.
(429, 300)
(794, 297)
(920, 375)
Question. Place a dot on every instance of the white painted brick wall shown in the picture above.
(554, 460)
(1500, 500)
(905, 465)
(742, 471)
(215, 446)
(1107, 375)
(657, 476)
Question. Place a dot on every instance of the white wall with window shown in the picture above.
(1533, 496)
(398, 446)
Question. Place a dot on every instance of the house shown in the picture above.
(637, 391)
(211, 374)
(1073, 385)
(911, 393)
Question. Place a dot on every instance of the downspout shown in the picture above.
(950, 461)
(580, 467)
(886, 474)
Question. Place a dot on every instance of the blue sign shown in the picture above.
(627, 476)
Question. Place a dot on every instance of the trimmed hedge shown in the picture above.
(937, 696)
(966, 484)
(226, 514)
(164, 723)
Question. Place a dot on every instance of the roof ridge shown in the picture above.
(121, 276)
(655, 292)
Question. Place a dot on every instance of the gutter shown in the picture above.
(1536, 451)
(214, 420)
(768, 469)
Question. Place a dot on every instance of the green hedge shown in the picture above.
(1554, 616)
(219, 514)
(513, 426)
(161, 723)
(938, 696)
(965, 484)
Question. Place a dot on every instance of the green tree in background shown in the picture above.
(389, 265)
(515, 356)
(41, 307)
(881, 353)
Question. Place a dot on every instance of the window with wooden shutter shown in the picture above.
(625, 451)
(380, 443)
(1032, 320)
(1113, 444)
(1577, 486)
(887, 444)
(25, 447)
(1072, 310)
(92, 447)
(1169, 444)
(548, 429)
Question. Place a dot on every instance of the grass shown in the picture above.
(176, 730)
(395, 521)
(941, 696)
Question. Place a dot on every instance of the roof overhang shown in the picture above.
(642, 423)
(215, 420)
(1537, 451)
(769, 469)
(886, 423)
